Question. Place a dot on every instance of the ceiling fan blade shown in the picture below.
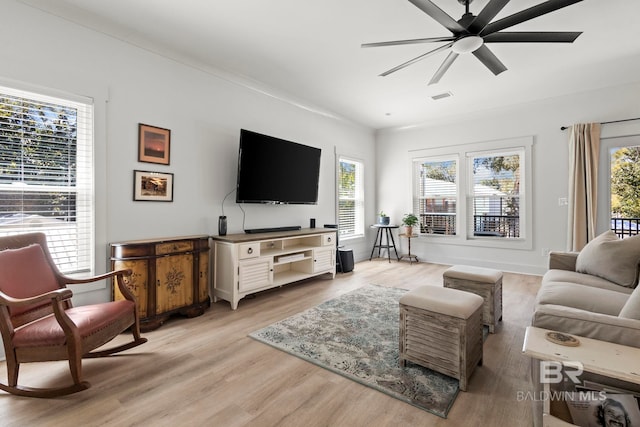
(489, 60)
(486, 15)
(411, 41)
(533, 37)
(439, 15)
(526, 15)
(416, 59)
(443, 68)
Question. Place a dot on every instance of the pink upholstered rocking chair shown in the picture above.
(39, 323)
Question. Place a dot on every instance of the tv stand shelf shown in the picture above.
(280, 252)
(248, 263)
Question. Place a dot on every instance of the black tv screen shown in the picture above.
(273, 170)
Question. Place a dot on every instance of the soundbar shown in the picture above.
(270, 229)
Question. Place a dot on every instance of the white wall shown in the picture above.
(542, 120)
(204, 112)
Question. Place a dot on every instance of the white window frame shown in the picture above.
(471, 187)
(359, 200)
(416, 187)
(463, 151)
(607, 144)
(71, 244)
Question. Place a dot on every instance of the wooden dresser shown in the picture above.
(170, 276)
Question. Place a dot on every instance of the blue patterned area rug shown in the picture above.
(356, 335)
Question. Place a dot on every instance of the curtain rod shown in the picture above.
(604, 123)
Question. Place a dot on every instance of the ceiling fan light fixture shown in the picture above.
(467, 44)
(471, 32)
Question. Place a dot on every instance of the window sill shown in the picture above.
(484, 242)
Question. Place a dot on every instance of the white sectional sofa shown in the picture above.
(593, 293)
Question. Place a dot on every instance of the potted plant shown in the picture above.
(409, 221)
(383, 219)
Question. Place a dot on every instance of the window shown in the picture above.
(350, 198)
(625, 190)
(473, 197)
(46, 181)
(494, 194)
(435, 196)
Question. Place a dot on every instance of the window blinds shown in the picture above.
(495, 195)
(435, 200)
(350, 198)
(46, 179)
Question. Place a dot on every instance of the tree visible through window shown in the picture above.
(350, 198)
(625, 190)
(495, 195)
(475, 194)
(45, 173)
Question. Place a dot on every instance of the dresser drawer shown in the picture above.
(173, 247)
(328, 239)
(249, 250)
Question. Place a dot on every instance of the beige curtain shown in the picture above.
(584, 149)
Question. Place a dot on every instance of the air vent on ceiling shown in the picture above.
(441, 96)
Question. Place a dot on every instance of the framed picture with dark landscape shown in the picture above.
(153, 144)
(152, 186)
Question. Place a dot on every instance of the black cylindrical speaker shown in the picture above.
(346, 260)
(222, 225)
(312, 223)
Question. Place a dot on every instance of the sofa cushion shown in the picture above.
(595, 300)
(611, 258)
(583, 279)
(631, 309)
(587, 324)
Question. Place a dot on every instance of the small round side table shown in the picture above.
(383, 230)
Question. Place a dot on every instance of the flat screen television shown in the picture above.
(276, 171)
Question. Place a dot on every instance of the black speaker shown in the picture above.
(222, 225)
(346, 260)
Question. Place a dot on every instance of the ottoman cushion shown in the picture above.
(451, 302)
(474, 274)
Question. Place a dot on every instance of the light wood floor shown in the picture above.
(205, 371)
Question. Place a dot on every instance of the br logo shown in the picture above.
(552, 372)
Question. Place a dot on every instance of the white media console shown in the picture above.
(244, 264)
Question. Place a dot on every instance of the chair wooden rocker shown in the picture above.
(39, 323)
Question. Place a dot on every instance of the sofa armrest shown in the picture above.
(559, 260)
(603, 327)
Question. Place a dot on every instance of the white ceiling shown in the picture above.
(308, 52)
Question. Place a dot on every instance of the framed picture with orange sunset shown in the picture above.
(153, 144)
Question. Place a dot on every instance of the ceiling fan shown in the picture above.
(471, 33)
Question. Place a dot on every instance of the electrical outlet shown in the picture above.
(545, 251)
(563, 201)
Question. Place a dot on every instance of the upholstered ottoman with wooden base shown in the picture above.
(485, 282)
(441, 329)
